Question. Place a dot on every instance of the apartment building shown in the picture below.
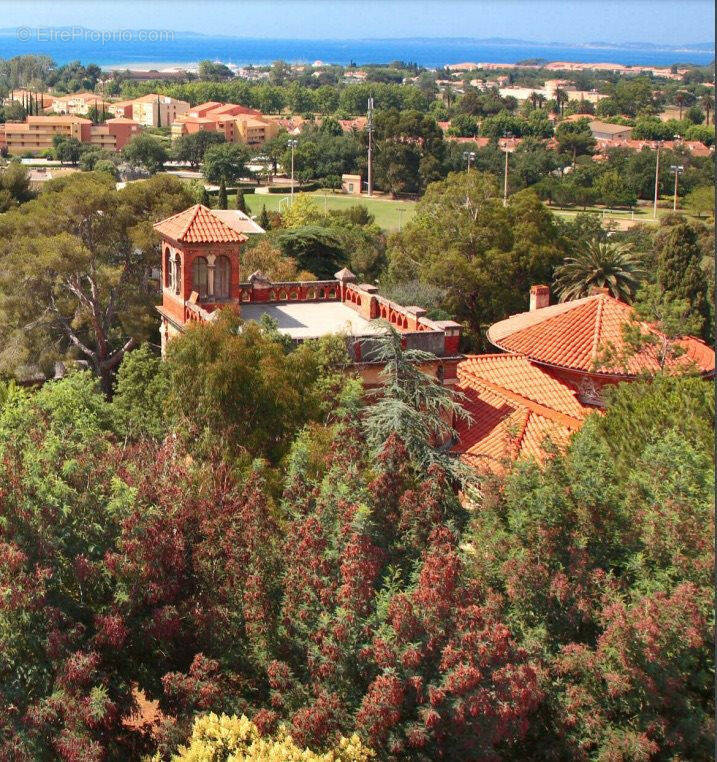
(157, 110)
(238, 124)
(36, 133)
(78, 104)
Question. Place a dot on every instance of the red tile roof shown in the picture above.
(574, 334)
(515, 405)
(198, 225)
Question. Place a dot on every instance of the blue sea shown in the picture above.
(72, 44)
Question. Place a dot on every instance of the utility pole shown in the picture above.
(676, 169)
(292, 144)
(506, 136)
(657, 179)
(469, 156)
(369, 129)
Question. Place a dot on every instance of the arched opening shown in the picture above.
(222, 275)
(311, 294)
(167, 267)
(282, 295)
(177, 275)
(200, 276)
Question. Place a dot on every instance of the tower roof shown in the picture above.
(573, 335)
(198, 225)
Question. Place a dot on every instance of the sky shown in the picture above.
(671, 22)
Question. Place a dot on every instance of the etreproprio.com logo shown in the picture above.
(99, 36)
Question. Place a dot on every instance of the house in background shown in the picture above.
(606, 131)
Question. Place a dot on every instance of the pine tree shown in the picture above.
(240, 203)
(222, 202)
(264, 220)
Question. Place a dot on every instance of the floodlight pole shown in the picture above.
(506, 136)
(292, 144)
(676, 169)
(369, 129)
(657, 179)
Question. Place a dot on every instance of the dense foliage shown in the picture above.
(342, 587)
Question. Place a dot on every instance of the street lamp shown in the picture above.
(469, 156)
(506, 136)
(676, 170)
(292, 144)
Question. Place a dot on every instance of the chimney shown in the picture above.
(539, 297)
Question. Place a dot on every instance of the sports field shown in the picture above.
(390, 215)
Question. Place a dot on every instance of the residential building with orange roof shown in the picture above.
(201, 273)
(577, 338)
(557, 360)
(153, 110)
(78, 104)
(36, 133)
(238, 124)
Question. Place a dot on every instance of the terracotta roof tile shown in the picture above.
(515, 405)
(574, 334)
(198, 225)
(518, 375)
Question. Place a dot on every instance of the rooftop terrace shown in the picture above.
(308, 320)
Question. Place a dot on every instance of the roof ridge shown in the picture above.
(192, 217)
(518, 443)
(598, 327)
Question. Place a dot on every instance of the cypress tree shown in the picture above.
(240, 202)
(264, 220)
(680, 273)
(205, 200)
(223, 203)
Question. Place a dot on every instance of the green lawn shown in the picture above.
(389, 214)
(641, 214)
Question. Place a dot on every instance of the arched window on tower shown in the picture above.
(167, 268)
(222, 275)
(200, 278)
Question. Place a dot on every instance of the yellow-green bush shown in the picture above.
(237, 739)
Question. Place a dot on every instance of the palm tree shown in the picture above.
(680, 98)
(708, 104)
(561, 98)
(603, 265)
